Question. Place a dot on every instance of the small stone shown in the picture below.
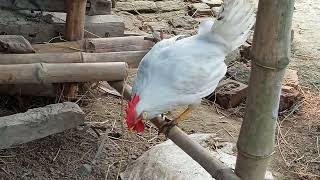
(199, 6)
(181, 31)
(212, 3)
(216, 11)
(199, 9)
(201, 19)
(134, 157)
(291, 78)
(85, 170)
(166, 6)
(289, 92)
(232, 57)
(289, 96)
(239, 72)
(159, 26)
(185, 22)
(229, 93)
(137, 6)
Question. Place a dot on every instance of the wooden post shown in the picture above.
(76, 10)
(270, 56)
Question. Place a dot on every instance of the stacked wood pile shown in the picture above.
(57, 69)
(49, 69)
(36, 74)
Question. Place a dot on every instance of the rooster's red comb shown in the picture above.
(131, 118)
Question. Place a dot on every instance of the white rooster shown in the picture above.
(178, 72)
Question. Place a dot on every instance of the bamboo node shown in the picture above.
(251, 156)
(281, 64)
(41, 70)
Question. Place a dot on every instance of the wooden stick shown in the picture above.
(133, 58)
(270, 56)
(75, 21)
(41, 73)
(76, 10)
(129, 43)
(99, 45)
(201, 155)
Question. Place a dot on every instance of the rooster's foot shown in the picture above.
(167, 125)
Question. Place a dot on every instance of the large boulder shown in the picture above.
(167, 161)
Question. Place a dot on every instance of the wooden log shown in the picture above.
(132, 58)
(94, 7)
(76, 10)
(7, 59)
(42, 73)
(61, 47)
(97, 45)
(116, 44)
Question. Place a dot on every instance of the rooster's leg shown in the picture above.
(183, 115)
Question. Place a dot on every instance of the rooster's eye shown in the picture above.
(145, 115)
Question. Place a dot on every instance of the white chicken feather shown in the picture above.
(181, 72)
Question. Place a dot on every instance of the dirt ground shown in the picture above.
(61, 156)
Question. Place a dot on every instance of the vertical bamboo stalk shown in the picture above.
(270, 56)
(76, 11)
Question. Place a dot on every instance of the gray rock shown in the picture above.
(232, 57)
(212, 3)
(181, 31)
(199, 6)
(140, 6)
(166, 6)
(38, 123)
(216, 10)
(185, 22)
(167, 161)
(239, 72)
(199, 9)
(85, 170)
(159, 26)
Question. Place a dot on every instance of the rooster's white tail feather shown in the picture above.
(234, 22)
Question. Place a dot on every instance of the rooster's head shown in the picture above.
(134, 120)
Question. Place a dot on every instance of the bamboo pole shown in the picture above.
(133, 58)
(201, 155)
(270, 56)
(42, 73)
